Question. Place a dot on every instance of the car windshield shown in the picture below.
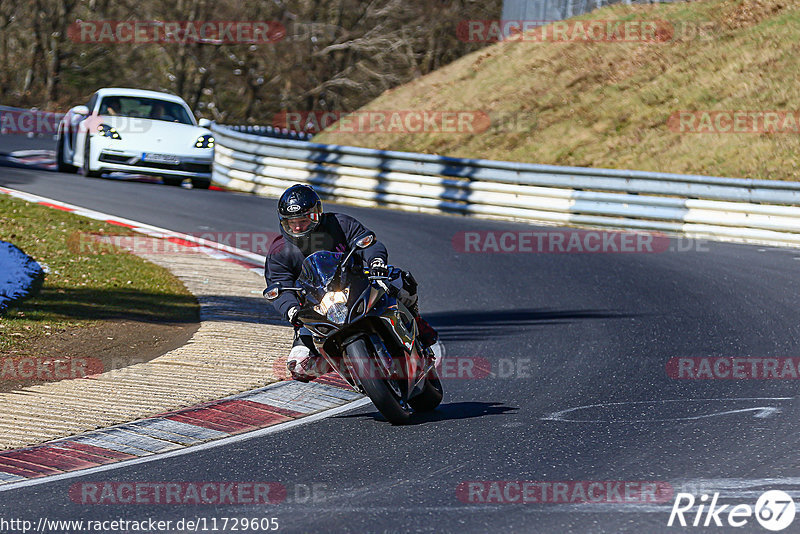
(144, 108)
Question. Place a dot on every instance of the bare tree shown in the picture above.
(335, 54)
(53, 33)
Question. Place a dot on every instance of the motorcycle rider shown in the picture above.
(305, 229)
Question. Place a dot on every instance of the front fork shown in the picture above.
(417, 361)
(337, 364)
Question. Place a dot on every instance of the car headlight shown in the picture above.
(107, 131)
(204, 141)
(334, 305)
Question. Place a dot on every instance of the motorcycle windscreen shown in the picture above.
(319, 269)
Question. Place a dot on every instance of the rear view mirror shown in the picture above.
(204, 123)
(365, 240)
(272, 292)
(80, 110)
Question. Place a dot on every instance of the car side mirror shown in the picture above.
(80, 110)
(204, 123)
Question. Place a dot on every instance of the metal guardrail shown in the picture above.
(270, 131)
(696, 206)
(552, 10)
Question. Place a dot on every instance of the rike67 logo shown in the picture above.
(774, 510)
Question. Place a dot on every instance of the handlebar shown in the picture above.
(371, 278)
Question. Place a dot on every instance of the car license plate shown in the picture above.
(161, 158)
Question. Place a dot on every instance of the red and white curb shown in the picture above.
(273, 408)
(243, 416)
(227, 253)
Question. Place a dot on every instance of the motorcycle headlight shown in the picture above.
(337, 313)
(107, 131)
(331, 300)
(204, 141)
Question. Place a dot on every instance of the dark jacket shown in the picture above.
(286, 253)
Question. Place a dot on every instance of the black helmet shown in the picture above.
(300, 210)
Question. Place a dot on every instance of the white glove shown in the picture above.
(292, 315)
(378, 268)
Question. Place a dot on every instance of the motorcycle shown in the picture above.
(364, 333)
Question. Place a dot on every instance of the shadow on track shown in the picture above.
(446, 412)
(476, 325)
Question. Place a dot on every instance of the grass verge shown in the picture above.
(608, 104)
(85, 286)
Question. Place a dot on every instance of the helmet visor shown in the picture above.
(298, 226)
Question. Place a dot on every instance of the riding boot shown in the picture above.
(427, 334)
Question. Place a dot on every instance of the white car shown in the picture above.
(136, 131)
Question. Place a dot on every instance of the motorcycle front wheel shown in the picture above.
(431, 396)
(382, 392)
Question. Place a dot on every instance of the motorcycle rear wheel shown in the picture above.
(381, 393)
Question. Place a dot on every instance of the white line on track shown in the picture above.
(147, 229)
(762, 411)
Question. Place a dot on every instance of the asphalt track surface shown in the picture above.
(577, 330)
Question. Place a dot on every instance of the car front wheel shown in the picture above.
(87, 171)
(61, 163)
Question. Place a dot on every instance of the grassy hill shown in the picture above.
(608, 104)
